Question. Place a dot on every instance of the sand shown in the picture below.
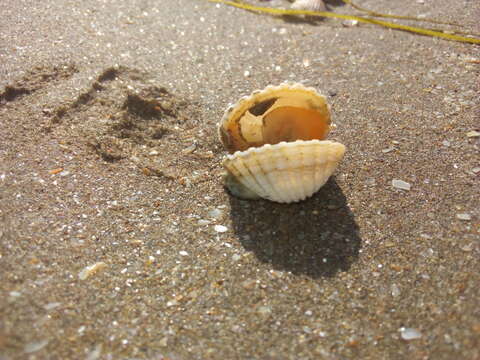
(111, 187)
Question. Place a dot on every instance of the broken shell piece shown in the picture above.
(276, 137)
(312, 5)
(287, 112)
(284, 172)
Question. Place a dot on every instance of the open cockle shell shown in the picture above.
(276, 136)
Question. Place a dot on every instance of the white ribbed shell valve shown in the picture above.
(312, 5)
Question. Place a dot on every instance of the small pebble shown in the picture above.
(395, 290)
(473, 133)
(52, 305)
(446, 143)
(409, 333)
(476, 170)
(95, 353)
(350, 23)
(183, 253)
(215, 213)
(249, 284)
(467, 247)
(189, 149)
(264, 310)
(220, 228)
(388, 150)
(465, 217)
(163, 342)
(370, 182)
(35, 346)
(400, 184)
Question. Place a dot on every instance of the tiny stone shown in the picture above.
(215, 213)
(35, 346)
(220, 228)
(307, 330)
(388, 150)
(52, 305)
(249, 284)
(203, 222)
(473, 133)
(153, 152)
(172, 303)
(183, 253)
(395, 290)
(476, 170)
(64, 173)
(264, 310)
(446, 143)
(189, 149)
(350, 23)
(410, 333)
(465, 217)
(236, 257)
(166, 105)
(95, 353)
(246, 73)
(163, 342)
(400, 184)
(370, 182)
(15, 294)
(467, 247)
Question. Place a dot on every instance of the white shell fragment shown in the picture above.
(276, 141)
(286, 172)
(409, 333)
(400, 184)
(91, 270)
(312, 5)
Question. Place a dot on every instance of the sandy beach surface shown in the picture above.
(119, 241)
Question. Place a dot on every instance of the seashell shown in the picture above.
(275, 139)
(284, 172)
(312, 5)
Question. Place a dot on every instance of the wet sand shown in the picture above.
(111, 187)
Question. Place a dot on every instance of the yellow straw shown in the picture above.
(412, 29)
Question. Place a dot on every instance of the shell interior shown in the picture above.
(288, 112)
